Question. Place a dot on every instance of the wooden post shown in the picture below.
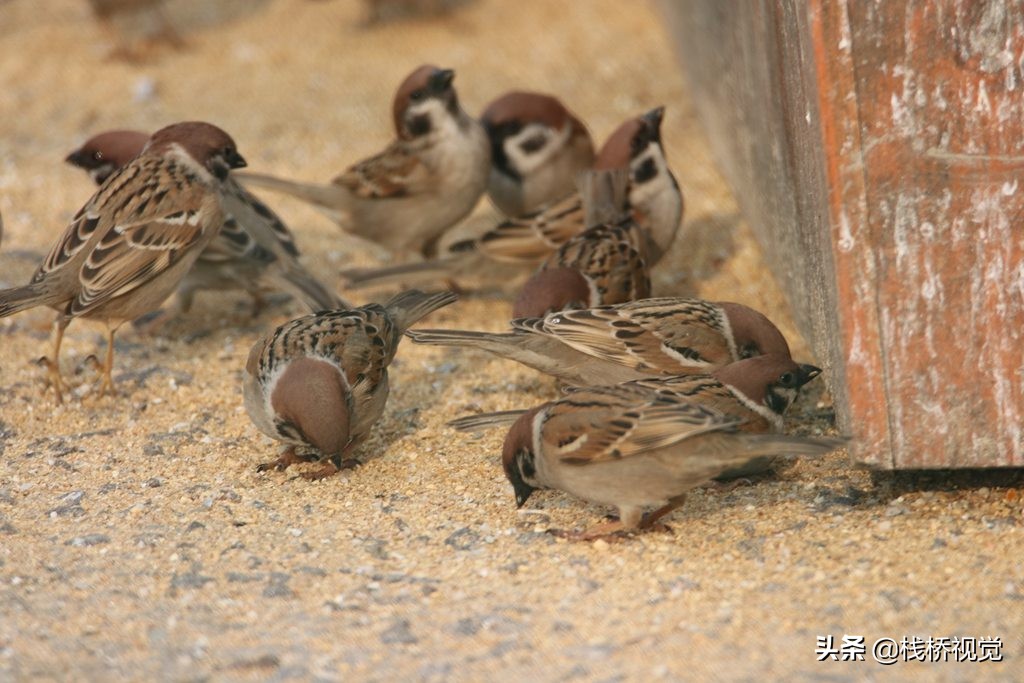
(878, 151)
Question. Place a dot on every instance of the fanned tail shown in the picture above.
(410, 306)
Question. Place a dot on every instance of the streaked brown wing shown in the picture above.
(661, 336)
(130, 255)
(533, 237)
(393, 173)
(610, 423)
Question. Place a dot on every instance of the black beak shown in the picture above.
(522, 495)
(520, 487)
(807, 373)
(441, 80)
(653, 120)
(77, 158)
(235, 160)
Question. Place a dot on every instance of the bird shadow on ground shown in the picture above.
(896, 483)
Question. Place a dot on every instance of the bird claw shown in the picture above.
(611, 532)
(330, 469)
(53, 378)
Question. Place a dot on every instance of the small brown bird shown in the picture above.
(319, 383)
(655, 202)
(757, 391)
(102, 154)
(633, 447)
(253, 251)
(648, 338)
(131, 244)
(605, 264)
(427, 180)
(654, 199)
(537, 149)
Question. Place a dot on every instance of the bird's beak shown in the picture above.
(807, 373)
(441, 80)
(77, 158)
(235, 160)
(653, 118)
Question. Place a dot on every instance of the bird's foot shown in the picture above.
(287, 458)
(330, 469)
(53, 377)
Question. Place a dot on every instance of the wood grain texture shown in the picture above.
(893, 217)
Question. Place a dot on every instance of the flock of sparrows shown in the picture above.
(662, 394)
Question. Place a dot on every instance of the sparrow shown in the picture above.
(319, 383)
(427, 180)
(537, 149)
(633, 447)
(102, 154)
(132, 243)
(658, 337)
(756, 390)
(254, 248)
(605, 264)
(655, 201)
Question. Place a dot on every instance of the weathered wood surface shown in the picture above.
(878, 149)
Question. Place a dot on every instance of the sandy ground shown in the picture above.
(137, 540)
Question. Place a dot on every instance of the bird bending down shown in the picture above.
(633, 447)
(319, 383)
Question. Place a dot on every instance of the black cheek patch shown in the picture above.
(419, 125)
(646, 172)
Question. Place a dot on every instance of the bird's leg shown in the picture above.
(288, 457)
(52, 364)
(454, 286)
(107, 385)
(650, 520)
(258, 303)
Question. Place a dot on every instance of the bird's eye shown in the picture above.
(97, 155)
(417, 95)
(786, 380)
(227, 151)
(534, 143)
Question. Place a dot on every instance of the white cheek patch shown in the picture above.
(774, 419)
(642, 194)
(526, 162)
(440, 120)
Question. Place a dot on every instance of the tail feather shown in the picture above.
(495, 343)
(422, 271)
(19, 299)
(410, 306)
(309, 291)
(482, 421)
(331, 198)
(755, 445)
(604, 195)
